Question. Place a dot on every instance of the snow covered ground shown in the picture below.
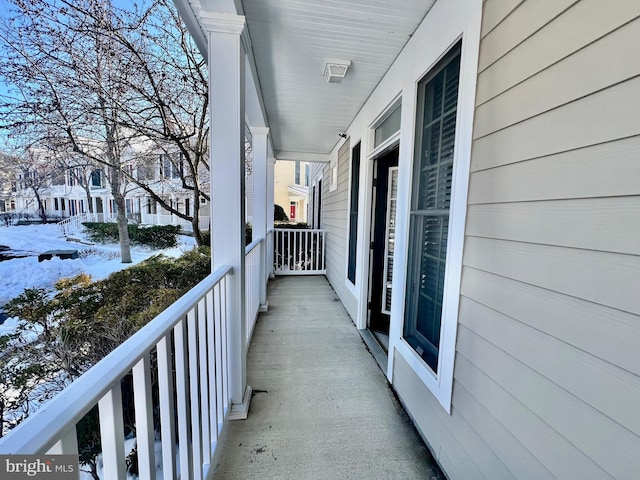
(99, 260)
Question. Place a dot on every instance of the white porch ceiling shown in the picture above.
(293, 39)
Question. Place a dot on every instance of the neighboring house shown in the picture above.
(69, 191)
(291, 188)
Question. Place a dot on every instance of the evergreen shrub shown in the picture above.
(248, 235)
(156, 236)
(279, 214)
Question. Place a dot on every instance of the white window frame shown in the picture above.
(333, 174)
(441, 384)
(354, 287)
(392, 139)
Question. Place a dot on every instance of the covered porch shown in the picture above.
(321, 406)
(312, 400)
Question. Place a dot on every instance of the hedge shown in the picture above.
(157, 236)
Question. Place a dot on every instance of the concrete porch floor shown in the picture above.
(321, 408)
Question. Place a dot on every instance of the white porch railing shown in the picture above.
(252, 279)
(71, 225)
(299, 252)
(166, 219)
(269, 260)
(185, 349)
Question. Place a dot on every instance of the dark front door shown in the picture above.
(382, 242)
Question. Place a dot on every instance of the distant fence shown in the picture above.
(299, 252)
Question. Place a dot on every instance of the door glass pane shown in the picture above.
(392, 204)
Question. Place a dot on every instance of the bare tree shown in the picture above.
(168, 103)
(69, 79)
(108, 76)
(35, 175)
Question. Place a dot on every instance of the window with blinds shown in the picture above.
(353, 213)
(431, 196)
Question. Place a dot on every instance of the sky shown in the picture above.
(5, 8)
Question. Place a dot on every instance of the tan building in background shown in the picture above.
(291, 189)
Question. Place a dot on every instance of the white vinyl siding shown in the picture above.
(335, 220)
(547, 367)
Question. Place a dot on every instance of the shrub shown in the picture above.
(156, 236)
(279, 215)
(248, 235)
(294, 226)
(102, 232)
(67, 330)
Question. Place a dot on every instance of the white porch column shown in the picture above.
(260, 211)
(271, 163)
(226, 109)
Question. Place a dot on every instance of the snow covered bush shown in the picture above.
(64, 331)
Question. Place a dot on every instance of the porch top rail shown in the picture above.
(252, 245)
(49, 423)
(318, 230)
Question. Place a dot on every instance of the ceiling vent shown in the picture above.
(335, 70)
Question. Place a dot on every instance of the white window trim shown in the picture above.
(333, 174)
(393, 139)
(440, 385)
(316, 183)
(367, 155)
(354, 287)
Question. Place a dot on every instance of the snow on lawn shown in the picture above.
(100, 261)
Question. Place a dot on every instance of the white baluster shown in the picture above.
(165, 390)
(112, 433)
(143, 405)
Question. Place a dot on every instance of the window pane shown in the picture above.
(432, 178)
(353, 213)
(388, 127)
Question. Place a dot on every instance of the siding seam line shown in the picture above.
(526, 407)
(549, 289)
(612, 420)
(560, 105)
(503, 18)
(496, 453)
(587, 45)
(551, 154)
(548, 22)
